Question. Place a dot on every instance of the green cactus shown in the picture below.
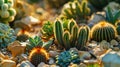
(7, 12)
(47, 30)
(103, 31)
(38, 55)
(66, 57)
(77, 11)
(7, 35)
(37, 42)
(55, 3)
(118, 27)
(71, 37)
(111, 16)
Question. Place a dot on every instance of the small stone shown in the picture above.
(84, 55)
(8, 63)
(53, 53)
(104, 45)
(25, 64)
(74, 49)
(82, 65)
(51, 61)
(113, 42)
(116, 49)
(73, 65)
(42, 64)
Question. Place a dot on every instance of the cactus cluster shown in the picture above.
(67, 57)
(7, 12)
(56, 3)
(118, 27)
(103, 31)
(76, 10)
(38, 55)
(7, 35)
(37, 42)
(112, 16)
(71, 37)
(47, 30)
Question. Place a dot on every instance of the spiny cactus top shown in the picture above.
(7, 35)
(7, 12)
(103, 31)
(67, 57)
(77, 11)
(47, 30)
(37, 42)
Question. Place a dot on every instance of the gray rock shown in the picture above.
(25, 64)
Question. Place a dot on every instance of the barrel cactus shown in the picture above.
(38, 55)
(67, 57)
(118, 27)
(7, 35)
(76, 10)
(7, 12)
(47, 30)
(71, 37)
(103, 31)
(37, 42)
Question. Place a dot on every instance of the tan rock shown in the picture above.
(8, 63)
(16, 48)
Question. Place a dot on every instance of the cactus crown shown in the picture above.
(66, 57)
(47, 30)
(76, 10)
(72, 36)
(37, 42)
(112, 17)
(7, 35)
(103, 31)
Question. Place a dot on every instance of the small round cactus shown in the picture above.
(7, 35)
(103, 31)
(38, 55)
(7, 12)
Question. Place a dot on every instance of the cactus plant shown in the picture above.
(66, 57)
(47, 30)
(117, 24)
(7, 35)
(77, 11)
(38, 55)
(37, 42)
(103, 31)
(7, 12)
(71, 37)
(112, 16)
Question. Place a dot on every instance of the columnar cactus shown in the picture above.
(37, 42)
(7, 35)
(47, 30)
(71, 37)
(66, 57)
(7, 12)
(103, 31)
(77, 11)
(38, 55)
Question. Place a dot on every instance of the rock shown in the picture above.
(95, 18)
(30, 20)
(75, 49)
(53, 53)
(16, 48)
(104, 45)
(3, 56)
(111, 59)
(51, 61)
(25, 64)
(114, 42)
(8, 63)
(42, 64)
(73, 65)
(82, 65)
(84, 55)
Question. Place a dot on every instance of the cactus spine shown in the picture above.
(103, 31)
(71, 37)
